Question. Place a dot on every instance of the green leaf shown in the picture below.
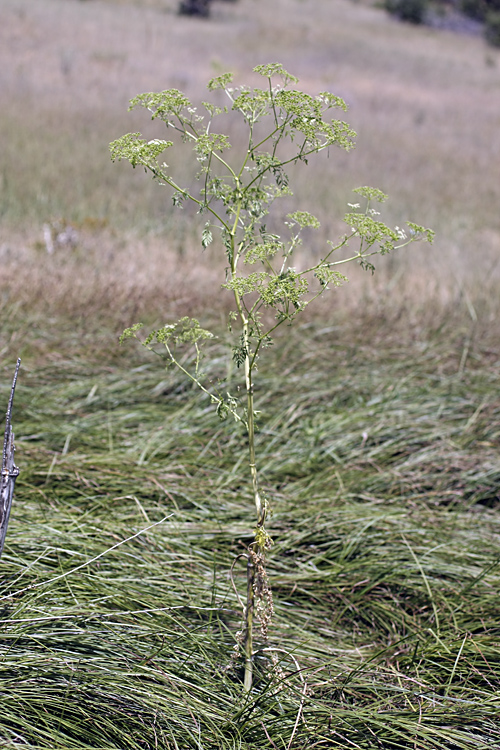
(240, 352)
(206, 237)
(178, 198)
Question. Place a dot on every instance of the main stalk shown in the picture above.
(261, 515)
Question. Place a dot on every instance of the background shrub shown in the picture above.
(492, 28)
(412, 11)
(479, 9)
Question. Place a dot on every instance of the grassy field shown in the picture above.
(382, 463)
(423, 102)
(380, 417)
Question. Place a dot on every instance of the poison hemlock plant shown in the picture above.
(283, 126)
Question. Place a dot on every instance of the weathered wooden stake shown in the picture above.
(9, 470)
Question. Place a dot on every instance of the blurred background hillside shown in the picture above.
(424, 101)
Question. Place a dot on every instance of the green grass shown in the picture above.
(382, 462)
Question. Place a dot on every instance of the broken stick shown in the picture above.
(9, 470)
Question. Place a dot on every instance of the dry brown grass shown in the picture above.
(425, 104)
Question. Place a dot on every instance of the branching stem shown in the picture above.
(238, 199)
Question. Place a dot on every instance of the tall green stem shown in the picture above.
(249, 361)
(260, 510)
(251, 440)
